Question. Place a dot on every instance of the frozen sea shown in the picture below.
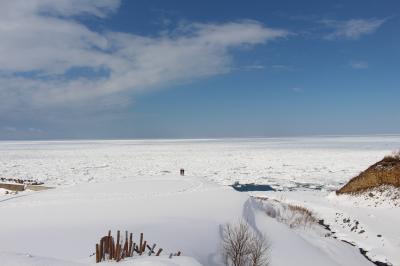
(284, 163)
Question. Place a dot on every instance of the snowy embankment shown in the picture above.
(176, 213)
(369, 221)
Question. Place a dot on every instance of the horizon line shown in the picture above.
(203, 139)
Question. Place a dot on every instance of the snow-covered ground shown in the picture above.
(176, 213)
(16, 259)
(133, 185)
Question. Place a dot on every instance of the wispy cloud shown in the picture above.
(34, 130)
(254, 67)
(42, 43)
(351, 29)
(297, 90)
(358, 64)
(282, 67)
(9, 129)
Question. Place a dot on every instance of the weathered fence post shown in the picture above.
(140, 243)
(97, 253)
(130, 246)
(159, 252)
(144, 246)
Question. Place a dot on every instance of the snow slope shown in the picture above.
(373, 227)
(302, 246)
(176, 213)
(173, 212)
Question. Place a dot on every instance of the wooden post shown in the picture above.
(151, 249)
(97, 253)
(159, 252)
(130, 245)
(137, 249)
(112, 248)
(126, 244)
(144, 246)
(141, 243)
(133, 248)
(117, 258)
(116, 246)
(101, 249)
(125, 253)
(109, 242)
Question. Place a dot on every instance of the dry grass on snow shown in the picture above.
(384, 172)
(294, 216)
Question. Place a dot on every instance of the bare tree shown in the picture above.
(236, 241)
(260, 247)
(243, 247)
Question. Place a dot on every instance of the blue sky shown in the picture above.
(198, 69)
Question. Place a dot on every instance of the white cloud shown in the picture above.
(43, 41)
(352, 29)
(359, 64)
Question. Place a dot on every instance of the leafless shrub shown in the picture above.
(243, 247)
(259, 255)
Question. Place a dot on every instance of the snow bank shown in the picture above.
(373, 227)
(302, 246)
(385, 196)
(15, 259)
(156, 261)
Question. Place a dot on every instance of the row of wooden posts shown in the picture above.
(108, 249)
(21, 181)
